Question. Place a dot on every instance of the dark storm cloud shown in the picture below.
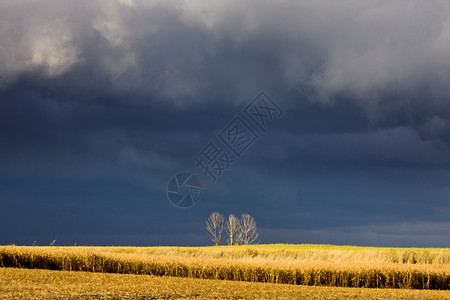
(101, 102)
(183, 48)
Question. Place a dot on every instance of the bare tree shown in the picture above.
(248, 229)
(214, 225)
(232, 227)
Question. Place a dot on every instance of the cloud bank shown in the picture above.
(100, 96)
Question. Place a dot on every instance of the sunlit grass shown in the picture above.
(344, 266)
(301, 251)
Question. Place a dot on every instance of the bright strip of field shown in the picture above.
(46, 284)
(293, 264)
(308, 252)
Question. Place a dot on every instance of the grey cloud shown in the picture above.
(363, 50)
(401, 145)
(389, 60)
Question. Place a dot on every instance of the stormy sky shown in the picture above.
(102, 102)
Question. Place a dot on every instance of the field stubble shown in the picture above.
(47, 284)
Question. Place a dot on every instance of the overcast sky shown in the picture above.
(102, 102)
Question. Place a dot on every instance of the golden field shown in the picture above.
(309, 265)
(46, 284)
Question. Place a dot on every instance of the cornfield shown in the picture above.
(289, 264)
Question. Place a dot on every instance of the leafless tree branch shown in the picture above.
(233, 230)
(214, 225)
(248, 229)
